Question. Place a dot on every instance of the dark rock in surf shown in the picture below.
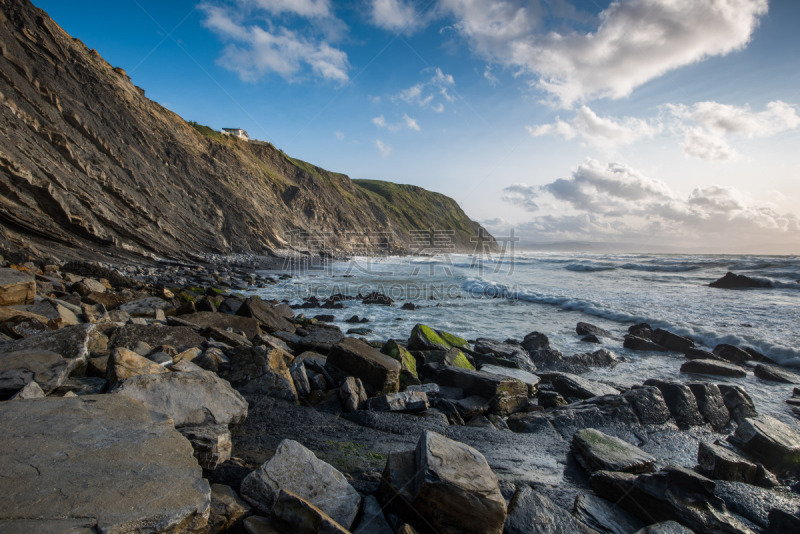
(680, 401)
(671, 341)
(775, 374)
(738, 281)
(732, 353)
(713, 367)
(586, 329)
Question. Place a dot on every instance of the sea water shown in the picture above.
(508, 295)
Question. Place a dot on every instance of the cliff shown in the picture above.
(90, 166)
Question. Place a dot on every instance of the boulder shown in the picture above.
(680, 401)
(211, 443)
(453, 357)
(737, 401)
(775, 374)
(223, 321)
(720, 463)
(426, 338)
(408, 364)
(227, 509)
(738, 281)
(529, 379)
(145, 307)
(315, 337)
(732, 353)
(379, 373)
(586, 329)
(189, 398)
(773, 443)
(513, 352)
(665, 527)
(16, 287)
(506, 395)
(57, 312)
(577, 387)
(532, 512)
(535, 341)
(299, 516)
(672, 494)
(405, 401)
(73, 343)
(671, 341)
(711, 405)
(262, 370)
(649, 404)
(700, 354)
(21, 368)
(637, 343)
(352, 394)
(295, 468)
(270, 319)
(180, 337)
(455, 490)
(124, 363)
(713, 368)
(104, 462)
(597, 451)
(300, 379)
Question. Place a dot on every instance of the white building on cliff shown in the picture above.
(236, 132)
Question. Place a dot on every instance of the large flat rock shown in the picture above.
(97, 461)
(598, 451)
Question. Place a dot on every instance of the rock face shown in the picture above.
(108, 435)
(190, 399)
(294, 468)
(597, 451)
(262, 370)
(16, 287)
(18, 369)
(379, 373)
(455, 490)
(738, 281)
(78, 179)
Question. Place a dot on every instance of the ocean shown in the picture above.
(510, 295)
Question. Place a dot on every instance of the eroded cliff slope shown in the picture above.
(89, 165)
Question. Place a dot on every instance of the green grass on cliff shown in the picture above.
(206, 131)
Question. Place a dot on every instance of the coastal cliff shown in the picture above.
(90, 166)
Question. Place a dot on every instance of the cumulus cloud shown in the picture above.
(707, 126)
(602, 132)
(615, 201)
(431, 92)
(395, 15)
(258, 46)
(633, 42)
(384, 149)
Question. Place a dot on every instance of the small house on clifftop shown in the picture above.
(236, 132)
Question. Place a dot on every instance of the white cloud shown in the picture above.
(706, 126)
(425, 93)
(339, 136)
(255, 50)
(384, 149)
(491, 78)
(634, 41)
(616, 202)
(407, 122)
(599, 131)
(395, 15)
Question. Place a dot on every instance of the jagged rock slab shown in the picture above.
(582, 388)
(456, 490)
(190, 399)
(211, 443)
(737, 401)
(426, 338)
(738, 281)
(91, 461)
(295, 468)
(352, 394)
(379, 373)
(773, 443)
(73, 343)
(262, 370)
(404, 401)
(124, 363)
(732, 353)
(672, 494)
(227, 509)
(775, 374)
(649, 405)
(758, 504)
(588, 329)
(16, 287)
(711, 404)
(529, 379)
(597, 451)
(671, 341)
(714, 368)
(603, 516)
(208, 319)
(665, 527)
(506, 395)
(720, 463)
(267, 316)
(301, 517)
(373, 520)
(680, 401)
(145, 307)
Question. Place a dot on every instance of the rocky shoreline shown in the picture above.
(163, 399)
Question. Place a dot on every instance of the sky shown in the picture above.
(633, 125)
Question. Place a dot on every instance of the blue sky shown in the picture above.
(638, 124)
